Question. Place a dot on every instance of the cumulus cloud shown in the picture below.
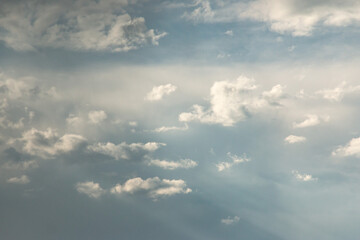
(311, 120)
(124, 150)
(337, 94)
(295, 17)
(91, 189)
(171, 165)
(234, 161)
(352, 148)
(76, 25)
(230, 220)
(48, 143)
(294, 139)
(303, 177)
(232, 101)
(96, 117)
(153, 187)
(19, 180)
(158, 92)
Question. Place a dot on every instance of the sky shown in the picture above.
(196, 119)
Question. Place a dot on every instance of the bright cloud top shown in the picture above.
(311, 120)
(294, 139)
(172, 165)
(91, 189)
(232, 101)
(124, 150)
(158, 92)
(19, 180)
(303, 177)
(48, 143)
(234, 161)
(295, 17)
(153, 187)
(76, 25)
(352, 148)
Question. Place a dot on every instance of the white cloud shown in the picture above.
(311, 120)
(337, 94)
(47, 143)
(97, 116)
(133, 123)
(303, 177)
(124, 150)
(230, 220)
(77, 25)
(19, 180)
(154, 187)
(171, 165)
(158, 92)
(173, 128)
(295, 17)
(232, 101)
(91, 189)
(294, 139)
(229, 33)
(234, 161)
(352, 148)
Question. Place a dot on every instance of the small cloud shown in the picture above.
(337, 94)
(153, 187)
(234, 161)
(48, 143)
(133, 123)
(174, 128)
(93, 190)
(311, 120)
(124, 150)
(229, 33)
(303, 177)
(158, 92)
(352, 148)
(171, 165)
(19, 180)
(294, 139)
(230, 220)
(97, 116)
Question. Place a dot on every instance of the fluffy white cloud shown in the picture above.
(311, 120)
(337, 94)
(294, 139)
(234, 161)
(97, 116)
(77, 25)
(232, 101)
(91, 189)
(303, 177)
(48, 143)
(19, 180)
(230, 220)
(350, 149)
(154, 187)
(124, 150)
(295, 17)
(171, 165)
(158, 92)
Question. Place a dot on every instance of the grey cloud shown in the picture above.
(76, 25)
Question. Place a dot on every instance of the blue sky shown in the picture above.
(179, 119)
